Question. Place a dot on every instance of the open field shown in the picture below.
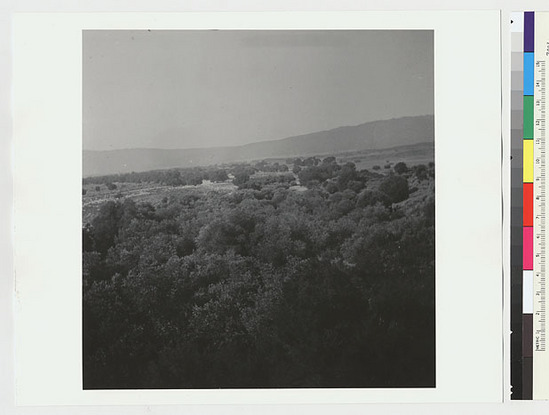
(153, 192)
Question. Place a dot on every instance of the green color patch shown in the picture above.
(528, 126)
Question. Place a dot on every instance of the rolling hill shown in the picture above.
(374, 135)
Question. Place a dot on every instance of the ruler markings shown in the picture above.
(540, 357)
(539, 206)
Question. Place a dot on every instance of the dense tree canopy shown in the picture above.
(267, 285)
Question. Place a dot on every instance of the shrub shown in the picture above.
(400, 168)
(218, 176)
(355, 185)
(241, 178)
(371, 198)
(396, 188)
(330, 186)
(421, 172)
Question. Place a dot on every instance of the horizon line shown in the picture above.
(257, 142)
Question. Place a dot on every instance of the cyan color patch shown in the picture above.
(528, 73)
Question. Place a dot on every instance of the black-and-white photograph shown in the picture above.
(258, 209)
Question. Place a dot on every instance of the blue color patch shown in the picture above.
(528, 73)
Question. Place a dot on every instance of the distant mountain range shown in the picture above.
(368, 136)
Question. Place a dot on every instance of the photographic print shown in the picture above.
(258, 209)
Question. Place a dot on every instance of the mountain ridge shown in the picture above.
(373, 135)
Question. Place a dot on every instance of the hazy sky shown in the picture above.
(184, 89)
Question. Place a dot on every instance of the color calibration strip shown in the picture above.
(529, 355)
(520, 381)
(528, 199)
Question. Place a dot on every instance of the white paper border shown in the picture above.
(47, 134)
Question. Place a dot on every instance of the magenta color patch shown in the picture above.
(527, 247)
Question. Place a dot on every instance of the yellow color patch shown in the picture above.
(528, 161)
